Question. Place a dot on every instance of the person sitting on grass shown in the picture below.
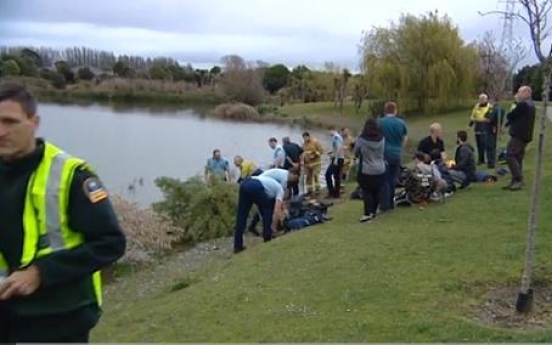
(438, 164)
(423, 164)
(463, 169)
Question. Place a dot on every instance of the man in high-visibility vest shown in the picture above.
(57, 230)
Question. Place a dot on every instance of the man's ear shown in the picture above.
(35, 121)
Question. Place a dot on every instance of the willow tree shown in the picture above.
(422, 61)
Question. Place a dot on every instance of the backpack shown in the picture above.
(418, 186)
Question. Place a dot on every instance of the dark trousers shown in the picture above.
(333, 177)
(481, 141)
(252, 192)
(70, 327)
(515, 152)
(387, 198)
(491, 150)
(371, 186)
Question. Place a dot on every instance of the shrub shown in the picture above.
(203, 211)
(236, 111)
(148, 234)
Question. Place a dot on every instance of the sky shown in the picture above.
(202, 31)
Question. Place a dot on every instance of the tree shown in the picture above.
(241, 83)
(10, 67)
(360, 90)
(118, 68)
(275, 78)
(84, 73)
(34, 56)
(535, 14)
(421, 61)
(63, 68)
(497, 64)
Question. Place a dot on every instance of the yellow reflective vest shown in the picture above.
(45, 220)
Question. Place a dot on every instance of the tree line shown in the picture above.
(420, 61)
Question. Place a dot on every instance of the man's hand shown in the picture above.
(20, 283)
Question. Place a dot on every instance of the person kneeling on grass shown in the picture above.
(268, 195)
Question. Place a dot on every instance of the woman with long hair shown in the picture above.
(369, 149)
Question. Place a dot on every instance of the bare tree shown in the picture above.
(497, 63)
(534, 13)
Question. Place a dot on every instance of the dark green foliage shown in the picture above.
(63, 68)
(275, 78)
(10, 67)
(85, 74)
(203, 211)
(534, 77)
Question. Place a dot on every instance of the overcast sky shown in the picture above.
(201, 31)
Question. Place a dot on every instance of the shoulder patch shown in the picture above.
(94, 190)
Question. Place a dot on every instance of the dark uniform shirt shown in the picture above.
(293, 152)
(63, 271)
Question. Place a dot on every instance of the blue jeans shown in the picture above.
(388, 188)
(252, 192)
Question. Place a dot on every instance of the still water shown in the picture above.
(130, 147)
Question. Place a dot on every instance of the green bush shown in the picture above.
(266, 108)
(203, 211)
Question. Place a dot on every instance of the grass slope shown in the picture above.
(415, 275)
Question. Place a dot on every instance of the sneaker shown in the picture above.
(435, 196)
(449, 194)
(366, 218)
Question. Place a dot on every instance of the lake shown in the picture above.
(130, 147)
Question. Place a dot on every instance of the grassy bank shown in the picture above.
(414, 275)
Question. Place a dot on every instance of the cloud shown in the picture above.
(289, 31)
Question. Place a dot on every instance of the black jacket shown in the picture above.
(522, 121)
(464, 160)
(65, 275)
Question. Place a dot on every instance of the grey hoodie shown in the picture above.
(371, 153)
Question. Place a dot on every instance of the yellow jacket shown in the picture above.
(479, 114)
(313, 151)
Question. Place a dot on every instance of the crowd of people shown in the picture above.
(377, 154)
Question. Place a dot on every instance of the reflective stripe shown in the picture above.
(53, 187)
(45, 218)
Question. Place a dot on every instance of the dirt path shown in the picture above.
(170, 270)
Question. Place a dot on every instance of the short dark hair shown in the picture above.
(462, 135)
(306, 134)
(20, 95)
(215, 151)
(435, 154)
(273, 140)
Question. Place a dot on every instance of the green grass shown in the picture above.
(414, 275)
